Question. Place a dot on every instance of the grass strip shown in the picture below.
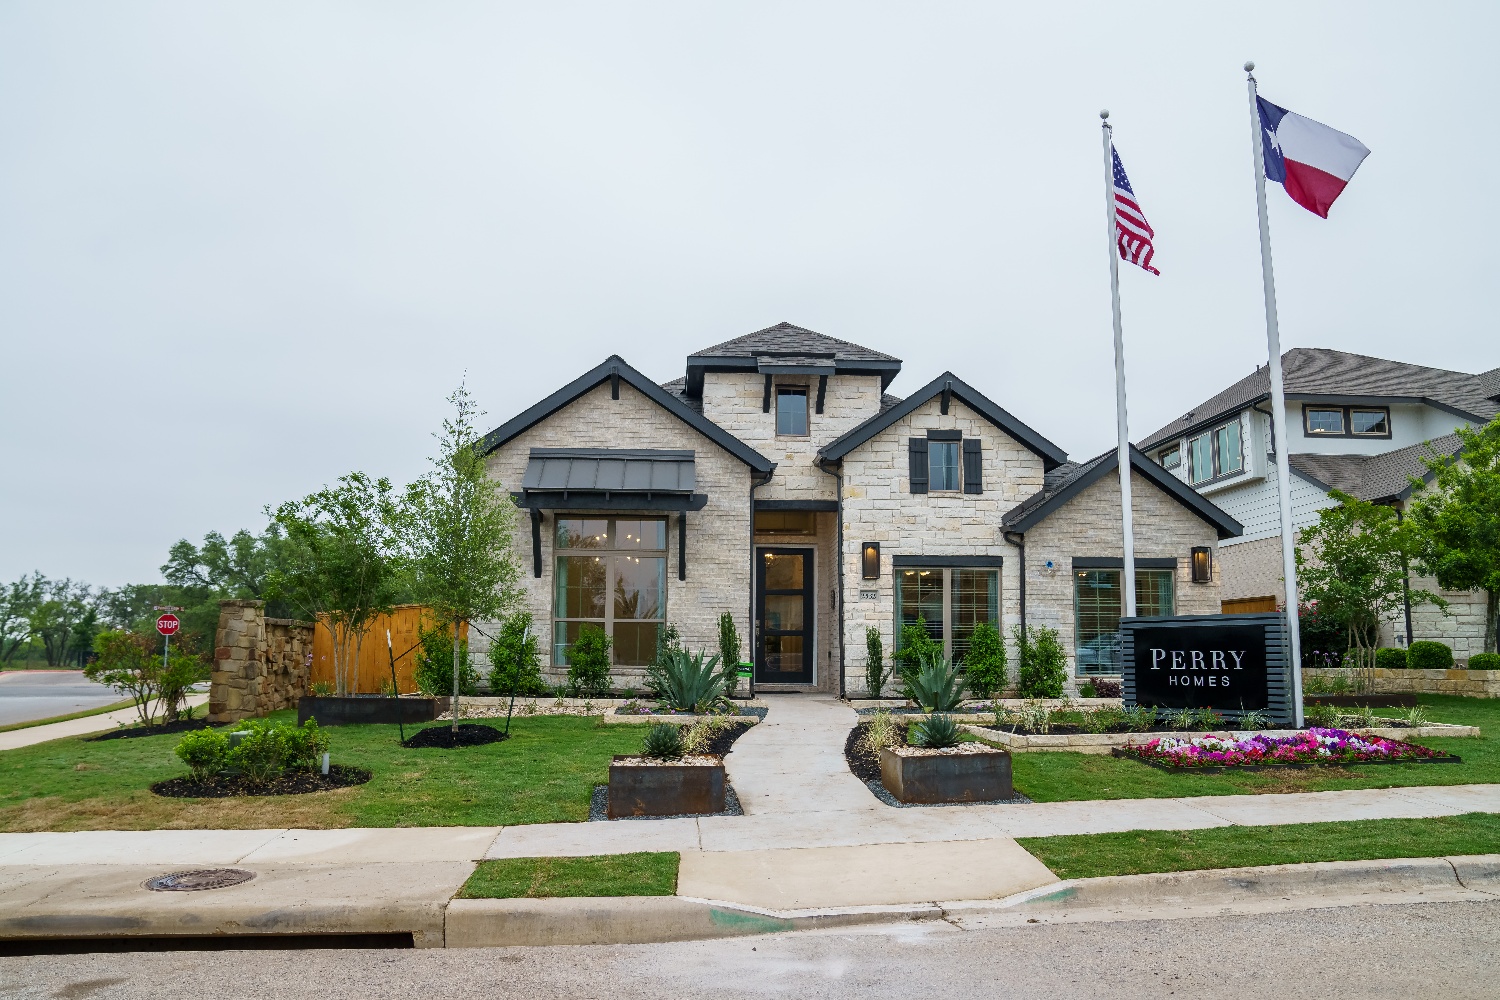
(127, 703)
(1136, 852)
(647, 873)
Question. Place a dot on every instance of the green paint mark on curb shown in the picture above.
(749, 923)
(1058, 896)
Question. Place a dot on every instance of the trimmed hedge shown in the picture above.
(1390, 658)
(1484, 661)
(1427, 655)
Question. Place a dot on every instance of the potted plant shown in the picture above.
(664, 780)
(938, 766)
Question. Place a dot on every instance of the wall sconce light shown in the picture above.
(1203, 564)
(870, 560)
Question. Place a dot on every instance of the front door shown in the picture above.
(784, 616)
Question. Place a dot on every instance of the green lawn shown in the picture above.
(1058, 776)
(544, 773)
(1138, 851)
(644, 874)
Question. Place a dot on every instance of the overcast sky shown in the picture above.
(246, 248)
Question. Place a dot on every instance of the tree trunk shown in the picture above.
(1491, 613)
(455, 675)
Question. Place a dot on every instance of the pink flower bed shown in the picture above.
(1312, 746)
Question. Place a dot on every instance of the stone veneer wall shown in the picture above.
(260, 664)
(1089, 526)
(1251, 569)
(880, 507)
(1469, 683)
(718, 536)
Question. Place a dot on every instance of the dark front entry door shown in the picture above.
(784, 616)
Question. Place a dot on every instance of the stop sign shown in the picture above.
(168, 624)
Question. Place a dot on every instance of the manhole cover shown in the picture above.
(203, 878)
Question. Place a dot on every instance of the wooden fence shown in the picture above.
(370, 672)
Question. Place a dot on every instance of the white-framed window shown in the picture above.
(1346, 421)
(611, 573)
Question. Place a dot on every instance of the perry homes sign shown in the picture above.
(1231, 663)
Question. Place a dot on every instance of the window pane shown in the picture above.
(1368, 422)
(564, 634)
(976, 599)
(580, 587)
(1153, 592)
(791, 411)
(1325, 421)
(635, 643)
(641, 535)
(784, 571)
(783, 653)
(1171, 459)
(784, 612)
(1230, 459)
(919, 594)
(576, 533)
(942, 459)
(1097, 597)
(1201, 459)
(640, 586)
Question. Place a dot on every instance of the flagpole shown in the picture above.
(1278, 405)
(1127, 573)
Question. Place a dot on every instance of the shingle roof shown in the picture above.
(1321, 371)
(678, 388)
(790, 340)
(1374, 477)
(1490, 381)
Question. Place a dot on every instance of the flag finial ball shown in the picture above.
(1104, 113)
(1250, 66)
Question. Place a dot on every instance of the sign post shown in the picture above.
(167, 625)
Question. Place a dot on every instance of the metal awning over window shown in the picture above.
(610, 479)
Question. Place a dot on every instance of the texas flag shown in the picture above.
(1312, 161)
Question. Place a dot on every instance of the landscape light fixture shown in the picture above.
(1203, 564)
(870, 560)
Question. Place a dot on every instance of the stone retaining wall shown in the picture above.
(260, 664)
(1469, 683)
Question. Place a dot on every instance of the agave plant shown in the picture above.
(663, 742)
(936, 733)
(687, 682)
(936, 686)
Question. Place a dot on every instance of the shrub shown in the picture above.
(1044, 663)
(984, 664)
(881, 732)
(663, 742)
(1106, 719)
(1086, 690)
(1321, 715)
(1107, 689)
(1139, 718)
(729, 652)
(1389, 658)
(516, 659)
(687, 682)
(668, 641)
(936, 733)
(701, 733)
(1034, 718)
(261, 752)
(588, 663)
(322, 689)
(1484, 661)
(1426, 655)
(303, 746)
(936, 686)
(129, 663)
(204, 752)
(434, 672)
(876, 672)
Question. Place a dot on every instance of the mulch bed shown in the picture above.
(469, 734)
(864, 763)
(723, 740)
(291, 783)
(131, 732)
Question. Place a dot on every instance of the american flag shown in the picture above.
(1132, 232)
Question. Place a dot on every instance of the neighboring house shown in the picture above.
(1357, 424)
(779, 482)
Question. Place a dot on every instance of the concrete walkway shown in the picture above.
(18, 738)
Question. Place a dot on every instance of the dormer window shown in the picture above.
(791, 410)
(1215, 454)
(1346, 421)
(1170, 459)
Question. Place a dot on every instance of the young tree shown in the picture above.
(1353, 563)
(340, 563)
(1455, 522)
(459, 526)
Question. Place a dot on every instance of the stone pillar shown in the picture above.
(239, 658)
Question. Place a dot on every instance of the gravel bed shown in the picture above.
(599, 804)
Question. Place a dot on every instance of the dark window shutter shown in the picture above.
(973, 466)
(918, 454)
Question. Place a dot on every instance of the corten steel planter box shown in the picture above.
(637, 789)
(980, 776)
(357, 710)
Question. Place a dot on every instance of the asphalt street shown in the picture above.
(26, 695)
(1409, 951)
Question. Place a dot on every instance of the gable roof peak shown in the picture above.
(787, 343)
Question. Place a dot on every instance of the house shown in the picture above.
(1357, 424)
(780, 482)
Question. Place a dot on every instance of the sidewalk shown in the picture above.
(17, 738)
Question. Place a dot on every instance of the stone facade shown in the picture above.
(1089, 526)
(260, 664)
(1468, 683)
(718, 536)
(1252, 569)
